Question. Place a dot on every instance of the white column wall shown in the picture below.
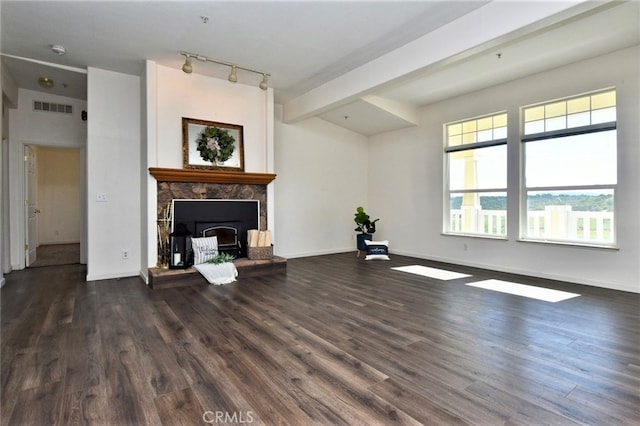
(205, 98)
(171, 95)
(113, 163)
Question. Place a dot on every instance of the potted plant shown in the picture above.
(365, 226)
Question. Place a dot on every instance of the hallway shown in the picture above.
(57, 254)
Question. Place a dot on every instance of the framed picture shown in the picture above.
(209, 145)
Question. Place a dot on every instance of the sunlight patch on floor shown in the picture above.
(425, 271)
(540, 293)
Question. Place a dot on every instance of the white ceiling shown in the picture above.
(304, 45)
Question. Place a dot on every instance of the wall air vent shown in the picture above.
(51, 107)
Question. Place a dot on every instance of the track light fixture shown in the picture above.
(187, 66)
(233, 75)
(264, 83)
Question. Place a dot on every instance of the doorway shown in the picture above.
(53, 217)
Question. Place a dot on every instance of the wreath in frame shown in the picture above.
(215, 145)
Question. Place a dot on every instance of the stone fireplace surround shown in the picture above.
(190, 184)
(212, 184)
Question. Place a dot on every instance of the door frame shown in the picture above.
(31, 237)
(17, 212)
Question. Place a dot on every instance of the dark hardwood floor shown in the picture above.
(56, 254)
(336, 340)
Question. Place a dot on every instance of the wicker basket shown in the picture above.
(260, 253)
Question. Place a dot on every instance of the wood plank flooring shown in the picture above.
(56, 254)
(335, 341)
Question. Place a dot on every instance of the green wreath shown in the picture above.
(215, 145)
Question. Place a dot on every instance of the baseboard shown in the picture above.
(101, 277)
(55, 243)
(317, 253)
(145, 276)
(537, 274)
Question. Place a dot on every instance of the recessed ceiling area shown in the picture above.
(66, 82)
(596, 32)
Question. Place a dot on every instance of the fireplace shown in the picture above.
(227, 236)
(228, 220)
(188, 184)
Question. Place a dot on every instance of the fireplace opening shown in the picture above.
(228, 220)
(227, 236)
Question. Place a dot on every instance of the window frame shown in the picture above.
(556, 134)
(447, 191)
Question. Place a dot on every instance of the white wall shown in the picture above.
(59, 201)
(171, 95)
(5, 258)
(205, 98)
(113, 164)
(9, 99)
(29, 127)
(409, 195)
(10, 94)
(322, 177)
(148, 157)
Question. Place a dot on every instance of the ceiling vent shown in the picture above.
(51, 107)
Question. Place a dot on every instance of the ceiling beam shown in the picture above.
(487, 26)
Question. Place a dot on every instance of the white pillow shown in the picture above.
(377, 250)
(204, 249)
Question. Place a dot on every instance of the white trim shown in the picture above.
(49, 64)
(481, 236)
(353, 249)
(570, 243)
(124, 274)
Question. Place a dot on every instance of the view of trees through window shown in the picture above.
(581, 202)
(569, 171)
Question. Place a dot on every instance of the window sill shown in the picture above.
(484, 237)
(570, 244)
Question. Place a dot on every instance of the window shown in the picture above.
(570, 170)
(476, 176)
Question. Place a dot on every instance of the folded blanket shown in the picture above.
(222, 273)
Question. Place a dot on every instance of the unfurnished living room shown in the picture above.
(320, 212)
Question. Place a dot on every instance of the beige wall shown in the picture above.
(58, 195)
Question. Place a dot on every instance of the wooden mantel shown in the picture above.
(210, 176)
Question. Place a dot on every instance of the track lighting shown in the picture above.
(233, 75)
(264, 84)
(187, 66)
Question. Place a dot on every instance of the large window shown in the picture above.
(570, 170)
(476, 187)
